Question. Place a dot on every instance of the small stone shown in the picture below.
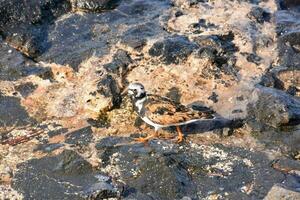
(214, 97)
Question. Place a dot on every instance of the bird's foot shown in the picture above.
(180, 135)
(179, 139)
(146, 139)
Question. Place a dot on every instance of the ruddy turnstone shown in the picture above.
(161, 112)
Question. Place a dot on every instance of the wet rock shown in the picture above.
(274, 108)
(94, 5)
(172, 50)
(65, 176)
(120, 63)
(259, 14)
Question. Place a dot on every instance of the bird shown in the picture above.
(161, 112)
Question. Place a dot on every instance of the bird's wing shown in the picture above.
(164, 111)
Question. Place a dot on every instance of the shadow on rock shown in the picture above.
(164, 170)
(12, 113)
(66, 176)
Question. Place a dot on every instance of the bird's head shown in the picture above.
(135, 91)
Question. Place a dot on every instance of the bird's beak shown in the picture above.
(124, 92)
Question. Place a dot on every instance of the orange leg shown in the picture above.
(146, 139)
(180, 135)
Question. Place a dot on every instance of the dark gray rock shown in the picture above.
(251, 57)
(173, 49)
(46, 148)
(94, 5)
(274, 108)
(120, 63)
(14, 65)
(286, 79)
(13, 113)
(259, 14)
(164, 170)
(111, 141)
(66, 176)
(80, 137)
(137, 36)
(26, 89)
(24, 24)
(288, 38)
(289, 4)
(108, 87)
(219, 50)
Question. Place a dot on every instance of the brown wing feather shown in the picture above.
(164, 111)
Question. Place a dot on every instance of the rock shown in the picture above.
(278, 192)
(213, 97)
(285, 79)
(6, 192)
(24, 24)
(65, 176)
(201, 26)
(26, 89)
(251, 57)
(120, 63)
(94, 5)
(259, 14)
(111, 142)
(108, 87)
(13, 65)
(274, 108)
(153, 171)
(46, 148)
(12, 113)
(137, 36)
(289, 4)
(80, 137)
(288, 38)
(100, 190)
(218, 49)
(172, 50)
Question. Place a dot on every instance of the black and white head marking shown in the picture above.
(136, 91)
(138, 94)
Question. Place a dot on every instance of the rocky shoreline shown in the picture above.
(67, 133)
